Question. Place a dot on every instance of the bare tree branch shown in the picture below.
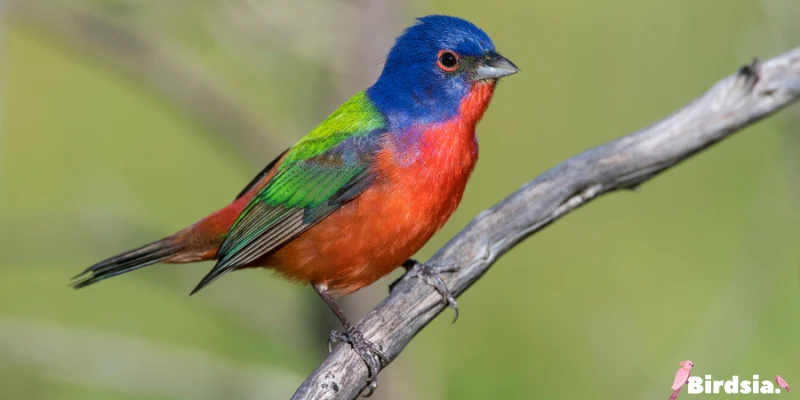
(755, 91)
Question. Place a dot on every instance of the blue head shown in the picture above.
(432, 68)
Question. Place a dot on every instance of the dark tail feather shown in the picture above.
(149, 254)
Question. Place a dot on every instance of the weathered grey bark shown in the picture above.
(755, 91)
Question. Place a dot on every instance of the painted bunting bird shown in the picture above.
(782, 383)
(681, 378)
(361, 193)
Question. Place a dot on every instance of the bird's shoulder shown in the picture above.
(353, 124)
(329, 158)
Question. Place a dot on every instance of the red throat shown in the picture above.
(476, 102)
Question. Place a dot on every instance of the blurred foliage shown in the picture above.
(701, 263)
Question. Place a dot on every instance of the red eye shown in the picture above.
(447, 61)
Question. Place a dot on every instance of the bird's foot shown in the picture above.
(430, 275)
(371, 353)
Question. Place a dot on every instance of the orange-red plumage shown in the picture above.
(372, 235)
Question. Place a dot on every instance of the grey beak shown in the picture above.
(494, 66)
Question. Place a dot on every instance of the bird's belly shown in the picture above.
(370, 236)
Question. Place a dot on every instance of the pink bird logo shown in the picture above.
(681, 378)
(782, 383)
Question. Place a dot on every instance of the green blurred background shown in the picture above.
(125, 120)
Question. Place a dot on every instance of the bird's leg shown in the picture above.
(430, 275)
(372, 355)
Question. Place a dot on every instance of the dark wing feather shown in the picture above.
(261, 174)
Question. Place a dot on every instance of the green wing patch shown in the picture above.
(325, 169)
(356, 117)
